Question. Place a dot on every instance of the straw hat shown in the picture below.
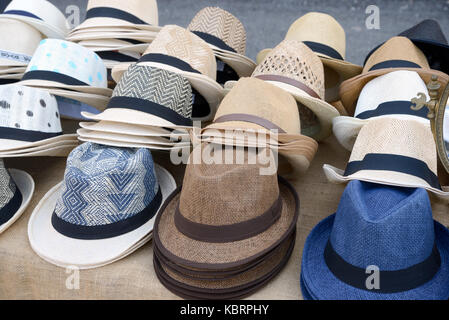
(103, 209)
(16, 189)
(178, 50)
(293, 67)
(139, 14)
(30, 118)
(398, 53)
(386, 227)
(389, 95)
(326, 37)
(393, 152)
(40, 14)
(238, 222)
(227, 37)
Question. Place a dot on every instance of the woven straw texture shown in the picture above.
(145, 10)
(7, 186)
(294, 60)
(182, 44)
(221, 24)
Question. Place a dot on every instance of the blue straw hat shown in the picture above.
(388, 228)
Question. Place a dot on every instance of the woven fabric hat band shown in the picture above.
(292, 82)
(251, 119)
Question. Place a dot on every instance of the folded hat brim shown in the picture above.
(25, 184)
(63, 143)
(121, 144)
(100, 22)
(139, 36)
(391, 178)
(59, 151)
(323, 285)
(181, 249)
(63, 251)
(7, 145)
(47, 29)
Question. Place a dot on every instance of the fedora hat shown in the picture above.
(326, 37)
(394, 152)
(139, 14)
(385, 96)
(295, 68)
(389, 228)
(227, 37)
(17, 51)
(178, 50)
(41, 15)
(429, 38)
(105, 205)
(30, 118)
(398, 53)
(68, 66)
(16, 190)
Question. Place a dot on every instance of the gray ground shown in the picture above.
(266, 21)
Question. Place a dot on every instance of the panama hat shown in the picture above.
(394, 152)
(17, 188)
(178, 50)
(40, 14)
(326, 37)
(398, 53)
(139, 14)
(227, 37)
(389, 95)
(387, 228)
(30, 118)
(297, 69)
(106, 204)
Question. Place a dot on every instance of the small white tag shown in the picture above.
(15, 56)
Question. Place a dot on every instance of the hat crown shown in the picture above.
(25, 44)
(428, 29)
(7, 186)
(294, 60)
(182, 44)
(397, 48)
(259, 98)
(103, 184)
(400, 85)
(227, 194)
(389, 227)
(221, 24)
(320, 28)
(156, 85)
(26, 108)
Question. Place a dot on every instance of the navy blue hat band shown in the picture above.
(394, 64)
(213, 40)
(393, 108)
(22, 13)
(323, 49)
(26, 135)
(168, 60)
(106, 12)
(53, 76)
(8, 211)
(115, 56)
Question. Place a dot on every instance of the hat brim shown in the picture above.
(243, 65)
(122, 144)
(391, 178)
(100, 22)
(351, 88)
(59, 151)
(53, 84)
(323, 285)
(48, 30)
(63, 251)
(183, 250)
(11, 153)
(8, 145)
(139, 36)
(25, 184)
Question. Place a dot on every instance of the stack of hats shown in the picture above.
(33, 21)
(103, 210)
(118, 31)
(228, 230)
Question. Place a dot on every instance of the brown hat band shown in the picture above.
(292, 82)
(228, 233)
(249, 118)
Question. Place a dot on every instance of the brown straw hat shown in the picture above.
(397, 152)
(227, 37)
(230, 210)
(326, 37)
(398, 53)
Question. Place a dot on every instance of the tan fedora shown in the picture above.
(226, 35)
(327, 38)
(295, 68)
(394, 152)
(398, 53)
(178, 50)
(231, 210)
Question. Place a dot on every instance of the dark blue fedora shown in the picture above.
(382, 228)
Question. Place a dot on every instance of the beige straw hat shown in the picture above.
(398, 53)
(178, 50)
(294, 67)
(227, 37)
(231, 210)
(326, 37)
(394, 152)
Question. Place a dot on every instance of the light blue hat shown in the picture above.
(382, 243)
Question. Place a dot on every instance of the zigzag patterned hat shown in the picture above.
(110, 196)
